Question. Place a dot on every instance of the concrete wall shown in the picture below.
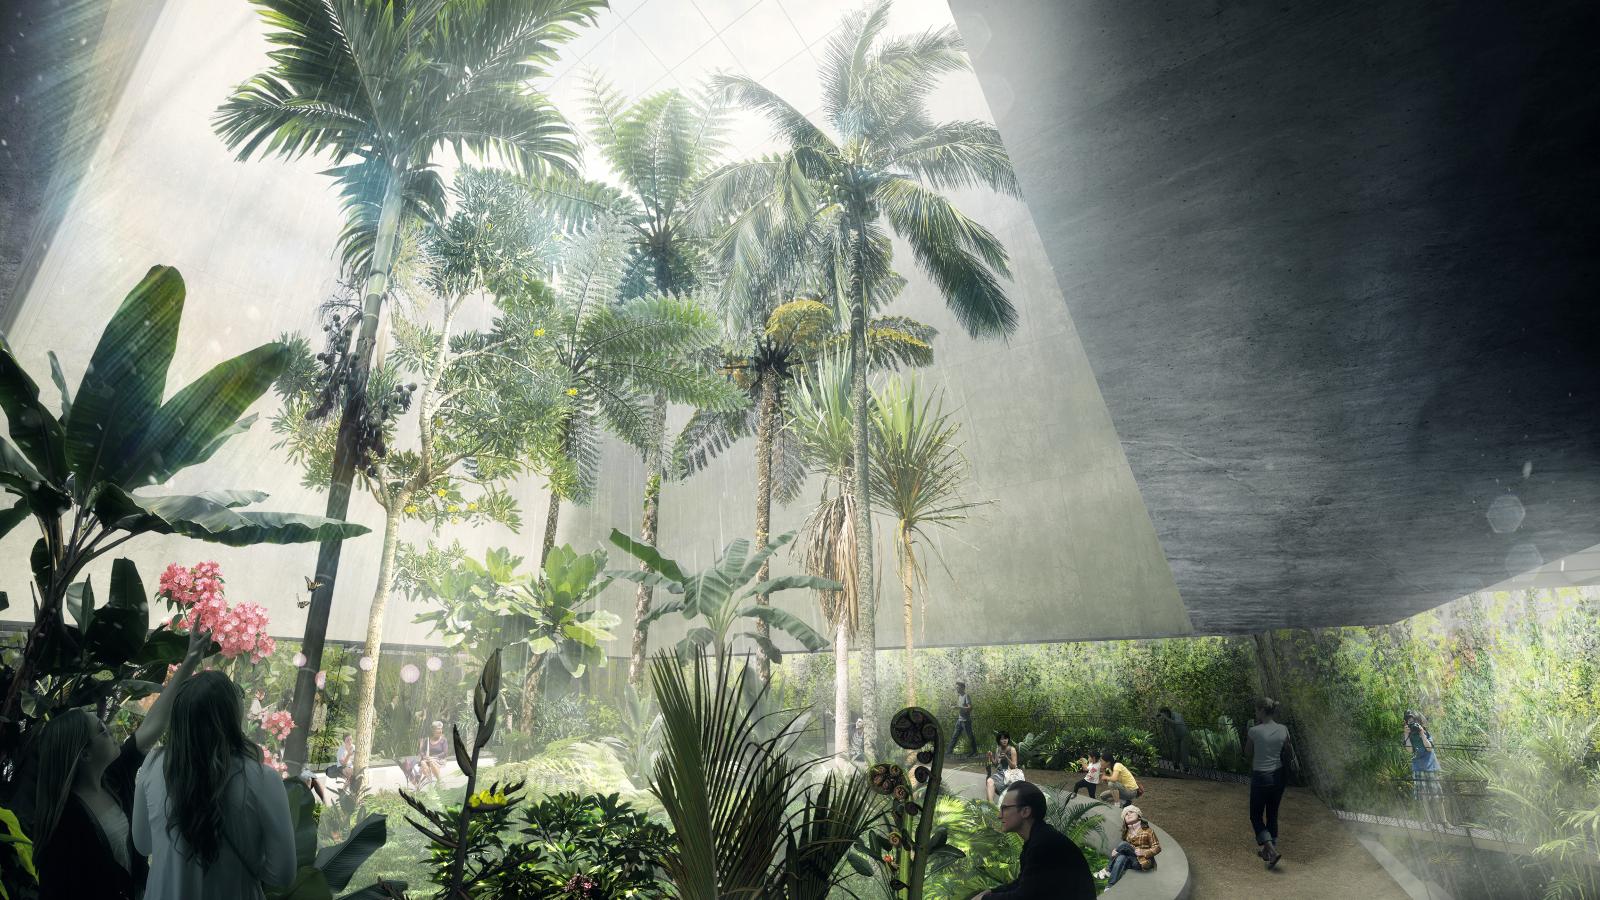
(1334, 267)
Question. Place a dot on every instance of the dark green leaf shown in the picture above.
(162, 647)
(203, 518)
(650, 556)
(13, 517)
(127, 375)
(340, 861)
(127, 591)
(308, 884)
(116, 635)
(463, 757)
(303, 819)
(80, 603)
(860, 863)
(185, 431)
(768, 648)
(36, 431)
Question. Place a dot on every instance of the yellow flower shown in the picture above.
(441, 492)
(452, 508)
(538, 332)
(455, 520)
(472, 507)
(572, 392)
(411, 509)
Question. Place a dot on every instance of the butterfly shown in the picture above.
(311, 588)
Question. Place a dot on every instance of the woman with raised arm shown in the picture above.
(83, 795)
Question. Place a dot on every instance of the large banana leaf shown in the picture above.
(185, 431)
(650, 556)
(127, 375)
(204, 518)
(789, 624)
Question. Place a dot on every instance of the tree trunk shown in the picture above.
(654, 471)
(908, 575)
(841, 686)
(366, 693)
(861, 489)
(550, 520)
(305, 685)
(532, 677)
(766, 422)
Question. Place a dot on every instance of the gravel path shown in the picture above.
(1322, 860)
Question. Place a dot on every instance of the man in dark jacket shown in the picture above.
(1053, 868)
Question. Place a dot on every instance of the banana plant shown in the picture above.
(322, 872)
(83, 476)
(722, 596)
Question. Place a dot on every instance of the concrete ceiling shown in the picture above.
(1334, 269)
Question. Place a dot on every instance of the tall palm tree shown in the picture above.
(616, 356)
(659, 147)
(917, 474)
(378, 86)
(887, 159)
(795, 336)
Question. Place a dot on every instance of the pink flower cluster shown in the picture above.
(278, 724)
(273, 761)
(199, 593)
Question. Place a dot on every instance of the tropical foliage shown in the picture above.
(885, 158)
(746, 818)
(378, 87)
(83, 476)
(723, 595)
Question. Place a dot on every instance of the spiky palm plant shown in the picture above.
(659, 148)
(747, 820)
(917, 475)
(378, 87)
(885, 159)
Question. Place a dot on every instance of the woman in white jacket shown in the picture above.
(212, 817)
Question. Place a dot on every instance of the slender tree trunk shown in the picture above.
(908, 575)
(305, 685)
(655, 472)
(766, 422)
(841, 685)
(551, 519)
(532, 677)
(861, 489)
(367, 685)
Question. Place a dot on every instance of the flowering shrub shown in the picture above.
(277, 724)
(199, 593)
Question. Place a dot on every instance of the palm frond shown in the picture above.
(961, 256)
(956, 155)
(788, 123)
(707, 434)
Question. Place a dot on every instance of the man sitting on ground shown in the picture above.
(1053, 868)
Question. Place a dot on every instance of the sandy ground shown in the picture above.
(1321, 858)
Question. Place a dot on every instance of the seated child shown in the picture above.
(1091, 775)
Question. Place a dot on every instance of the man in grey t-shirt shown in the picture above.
(963, 719)
(1268, 747)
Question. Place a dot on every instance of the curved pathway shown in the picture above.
(1322, 859)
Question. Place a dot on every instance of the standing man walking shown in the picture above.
(1267, 745)
(963, 719)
